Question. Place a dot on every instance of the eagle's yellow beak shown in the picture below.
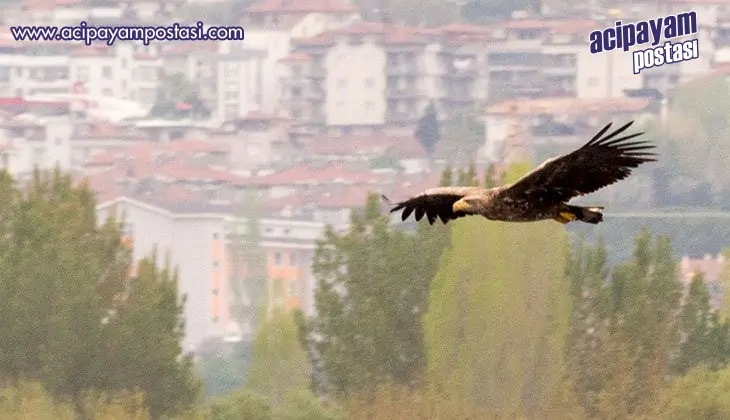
(461, 205)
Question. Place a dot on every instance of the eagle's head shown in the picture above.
(465, 205)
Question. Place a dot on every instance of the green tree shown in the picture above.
(280, 365)
(242, 404)
(462, 136)
(30, 400)
(372, 290)
(177, 97)
(700, 395)
(494, 280)
(724, 281)
(144, 334)
(427, 131)
(705, 336)
(303, 405)
(447, 177)
(225, 371)
(587, 272)
(74, 321)
(468, 177)
(490, 177)
(250, 285)
(623, 328)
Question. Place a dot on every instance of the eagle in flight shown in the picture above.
(544, 192)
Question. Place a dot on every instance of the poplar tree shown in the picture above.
(280, 366)
(498, 314)
(624, 328)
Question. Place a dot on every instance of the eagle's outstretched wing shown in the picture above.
(602, 161)
(435, 203)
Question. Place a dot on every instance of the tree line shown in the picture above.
(471, 320)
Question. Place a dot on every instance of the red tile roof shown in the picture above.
(308, 175)
(296, 57)
(178, 170)
(387, 34)
(188, 47)
(403, 146)
(94, 50)
(573, 26)
(350, 197)
(525, 24)
(303, 6)
(190, 146)
(568, 105)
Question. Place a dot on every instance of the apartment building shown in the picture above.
(240, 73)
(197, 238)
(28, 142)
(363, 78)
(272, 24)
(33, 68)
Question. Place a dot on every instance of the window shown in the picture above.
(369, 105)
(231, 95)
(292, 259)
(215, 264)
(369, 82)
(277, 258)
(342, 83)
(106, 72)
(231, 71)
(593, 81)
(106, 92)
(82, 74)
(215, 292)
(215, 236)
(231, 112)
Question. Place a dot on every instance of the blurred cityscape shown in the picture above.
(316, 108)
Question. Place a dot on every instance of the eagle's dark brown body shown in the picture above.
(543, 193)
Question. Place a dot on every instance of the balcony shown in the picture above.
(400, 117)
(454, 73)
(513, 61)
(315, 95)
(317, 117)
(402, 69)
(317, 72)
(399, 92)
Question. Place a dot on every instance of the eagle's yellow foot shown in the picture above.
(566, 217)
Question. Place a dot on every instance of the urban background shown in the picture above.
(193, 230)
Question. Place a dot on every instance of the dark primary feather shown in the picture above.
(604, 160)
(435, 203)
